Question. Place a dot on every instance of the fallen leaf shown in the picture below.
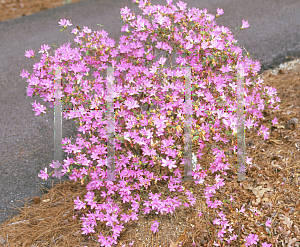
(286, 220)
(291, 241)
(182, 237)
(259, 190)
(173, 244)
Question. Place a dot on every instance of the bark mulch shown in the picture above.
(10, 9)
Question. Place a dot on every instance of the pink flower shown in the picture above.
(24, 74)
(125, 217)
(245, 24)
(251, 239)
(79, 204)
(242, 210)
(169, 2)
(220, 12)
(268, 223)
(274, 121)
(169, 163)
(221, 233)
(44, 48)
(38, 108)
(154, 226)
(103, 241)
(43, 174)
(216, 221)
(64, 23)
(266, 245)
(29, 53)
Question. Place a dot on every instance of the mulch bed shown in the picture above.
(10, 9)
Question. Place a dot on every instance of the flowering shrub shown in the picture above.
(152, 141)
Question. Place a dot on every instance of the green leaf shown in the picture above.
(195, 137)
(87, 52)
(228, 132)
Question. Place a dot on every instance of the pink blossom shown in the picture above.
(154, 226)
(64, 22)
(169, 163)
(29, 53)
(274, 121)
(251, 239)
(266, 245)
(38, 108)
(242, 210)
(268, 223)
(245, 24)
(220, 11)
(43, 174)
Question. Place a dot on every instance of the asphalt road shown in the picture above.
(26, 140)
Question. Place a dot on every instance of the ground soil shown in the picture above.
(10, 9)
(273, 192)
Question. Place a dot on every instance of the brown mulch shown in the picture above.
(10, 9)
(273, 193)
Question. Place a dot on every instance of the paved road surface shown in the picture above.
(26, 140)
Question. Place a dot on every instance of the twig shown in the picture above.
(57, 238)
(24, 221)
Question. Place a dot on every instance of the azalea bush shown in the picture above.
(150, 144)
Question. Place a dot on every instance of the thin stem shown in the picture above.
(69, 36)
